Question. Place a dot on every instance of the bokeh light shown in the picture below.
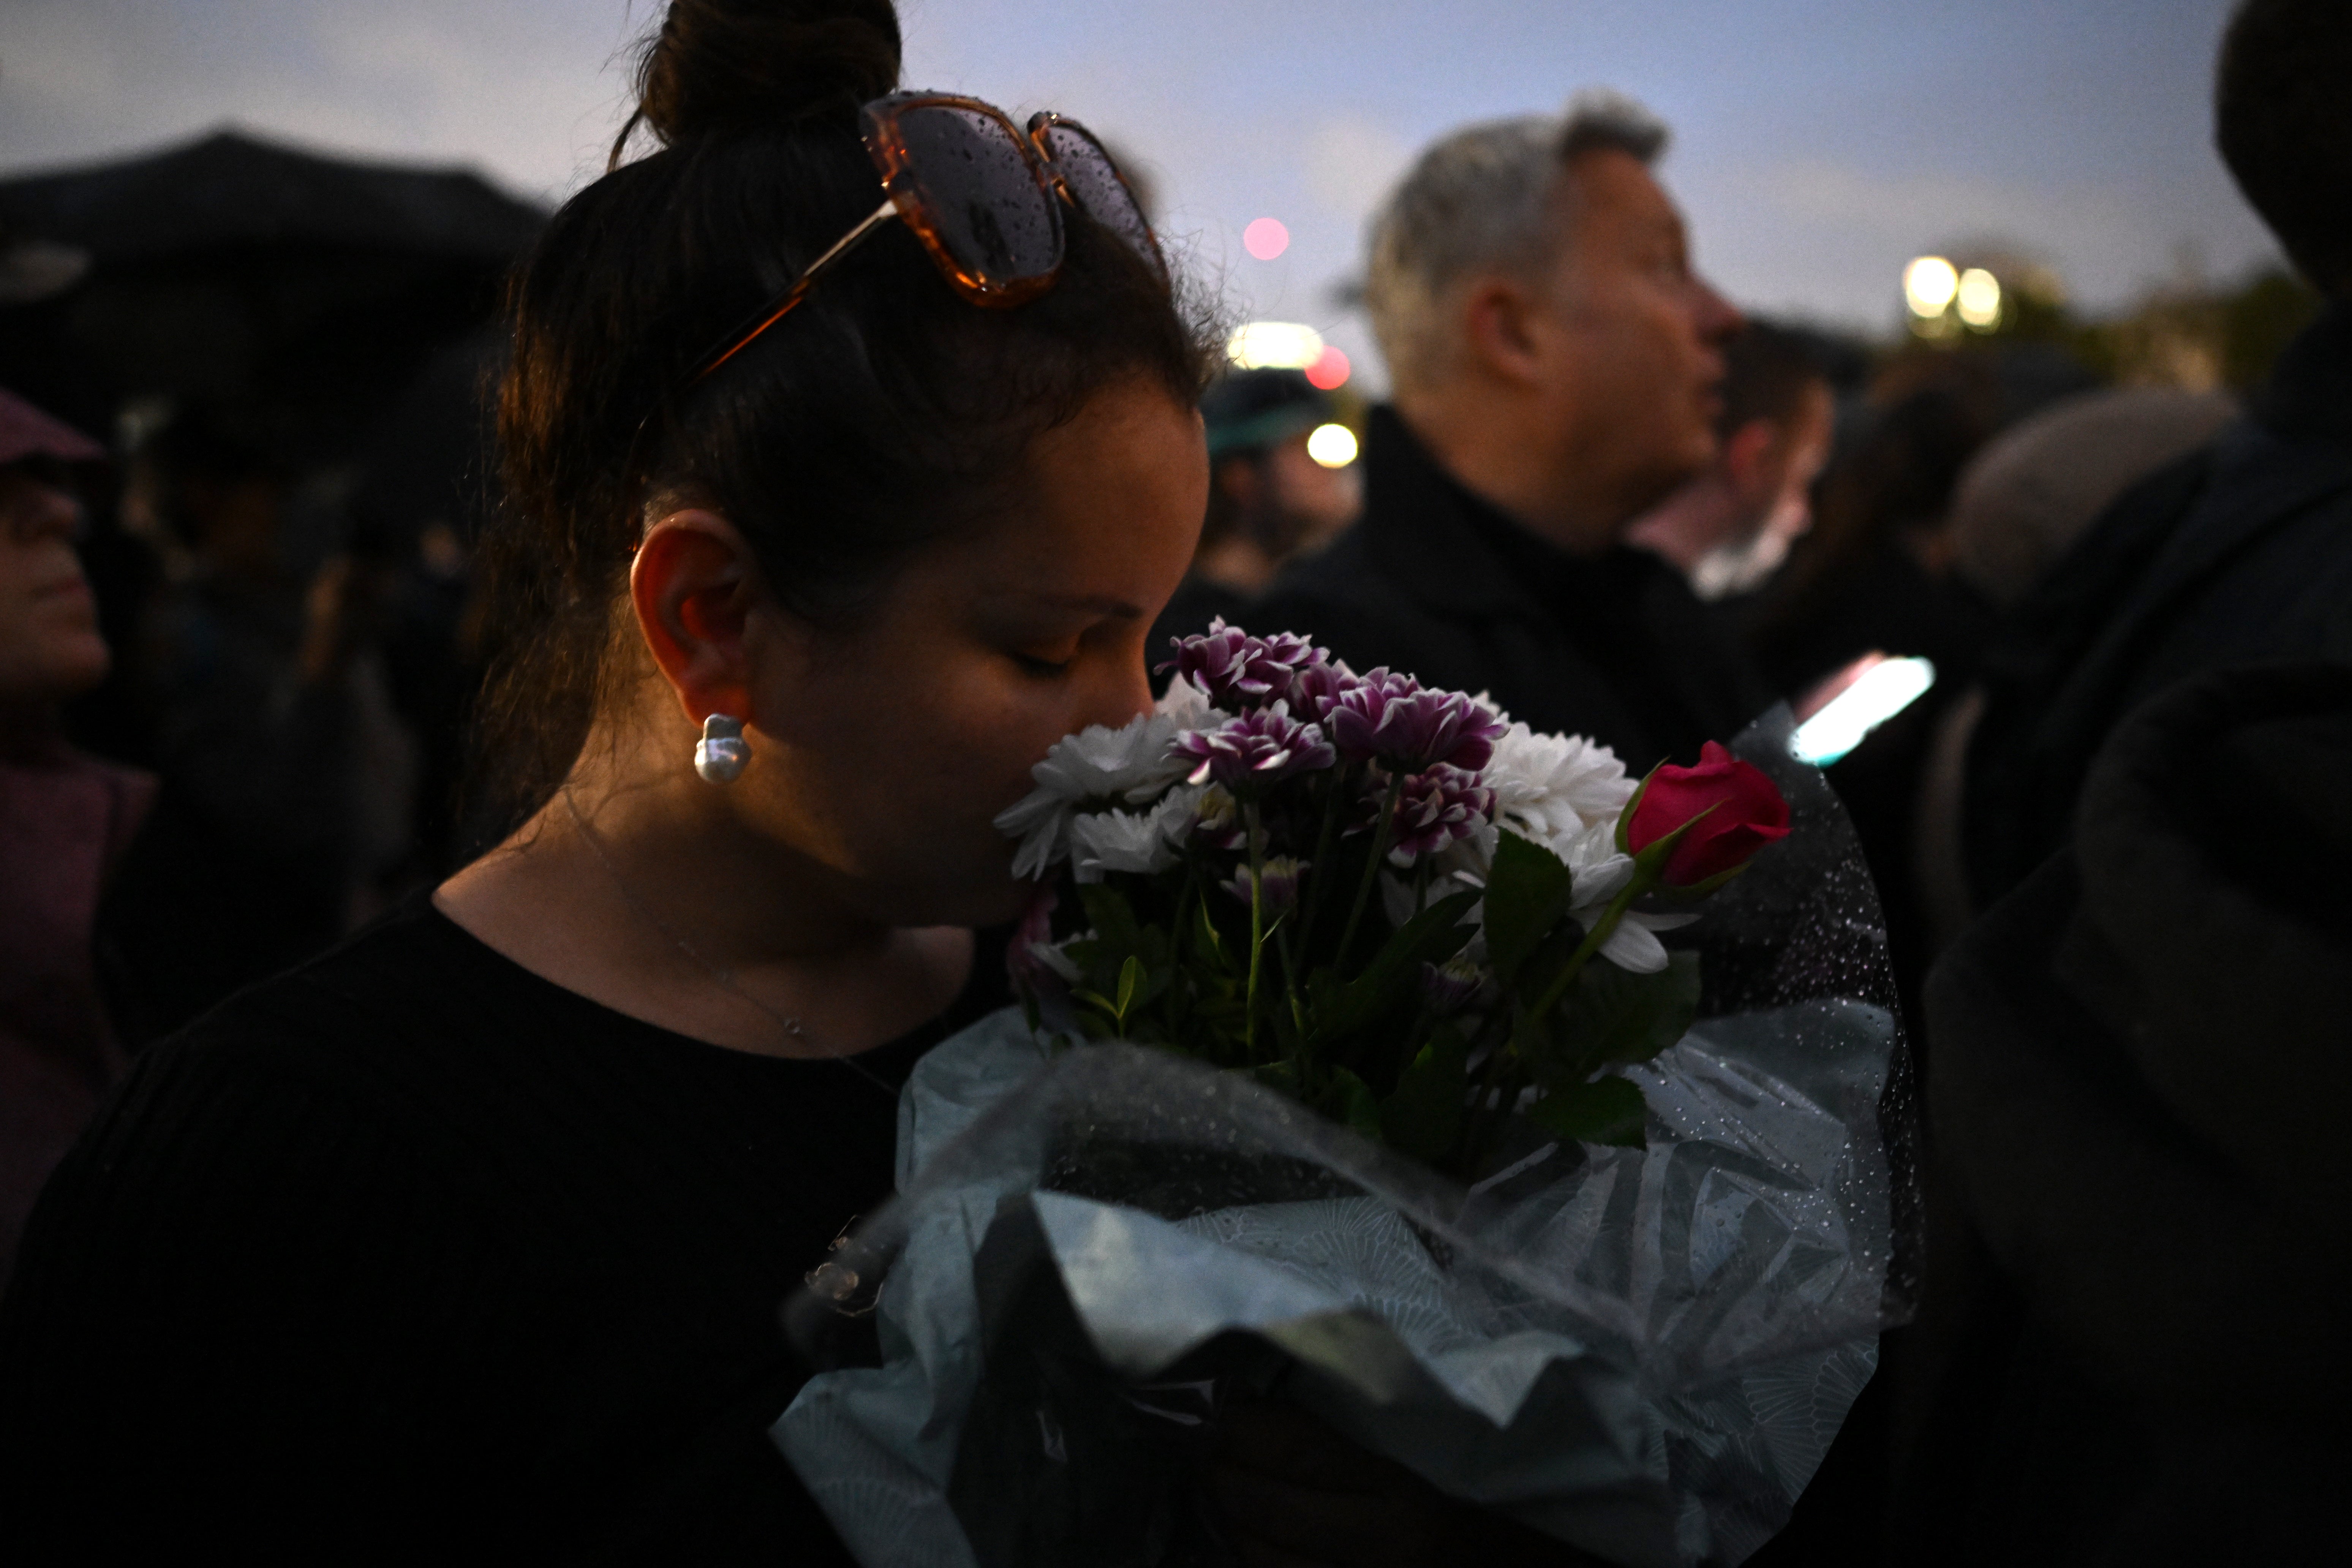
(1265, 238)
(1979, 297)
(1882, 692)
(1329, 370)
(1928, 285)
(1275, 345)
(1333, 446)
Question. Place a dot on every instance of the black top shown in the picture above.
(1437, 583)
(2239, 554)
(411, 1254)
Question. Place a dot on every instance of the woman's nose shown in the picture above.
(42, 511)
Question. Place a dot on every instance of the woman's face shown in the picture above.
(883, 753)
(49, 645)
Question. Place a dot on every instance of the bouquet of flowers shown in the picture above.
(1225, 852)
(1351, 1060)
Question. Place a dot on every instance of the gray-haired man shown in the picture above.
(1556, 366)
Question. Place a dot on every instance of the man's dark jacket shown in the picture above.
(2240, 553)
(1435, 583)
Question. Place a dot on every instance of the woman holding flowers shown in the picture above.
(475, 1230)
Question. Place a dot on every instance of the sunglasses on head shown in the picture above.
(983, 198)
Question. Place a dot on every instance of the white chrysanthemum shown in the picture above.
(1137, 841)
(1098, 764)
(1601, 871)
(1187, 706)
(1552, 786)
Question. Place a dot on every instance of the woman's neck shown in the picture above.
(639, 889)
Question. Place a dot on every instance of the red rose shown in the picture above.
(1747, 814)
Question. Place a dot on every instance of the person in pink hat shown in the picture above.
(65, 818)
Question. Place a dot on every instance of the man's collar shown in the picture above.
(1424, 529)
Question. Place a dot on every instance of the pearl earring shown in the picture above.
(722, 753)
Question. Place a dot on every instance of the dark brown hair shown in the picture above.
(884, 412)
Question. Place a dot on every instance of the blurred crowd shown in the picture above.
(242, 477)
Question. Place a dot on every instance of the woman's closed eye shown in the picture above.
(1045, 663)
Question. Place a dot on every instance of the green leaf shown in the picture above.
(1424, 1117)
(1528, 890)
(1205, 939)
(1113, 917)
(1433, 936)
(1131, 975)
(1358, 1109)
(1606, 1110)
(1614, 1015)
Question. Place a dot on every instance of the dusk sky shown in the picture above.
(1819, 143)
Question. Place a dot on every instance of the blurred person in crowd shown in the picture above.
(2021, 502)
(1729, 529)
(1875, 571)
(1874, 577)
(2130, 1344)
(2241, 552)
(64, 817)
(1269, 500)
(2029, 495)
(262, 738)
(1556, 365)
(425, 494)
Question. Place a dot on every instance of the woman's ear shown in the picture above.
(694, 585)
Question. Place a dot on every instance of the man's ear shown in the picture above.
(1498, 319)
(1755, 458)
(693, 587)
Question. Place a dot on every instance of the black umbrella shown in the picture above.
(303, 290)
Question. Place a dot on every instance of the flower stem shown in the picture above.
(1484, 1126)
(1257, 924)
(1322, 860)
(1380, 838)
(1602, 930)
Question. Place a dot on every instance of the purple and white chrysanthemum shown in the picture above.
(1453, 986)
(1435, 808)
(1395, 720)
(1278, 883)
(1239, 672)
(1024, 957)
(1247, 753)
(1317, 687)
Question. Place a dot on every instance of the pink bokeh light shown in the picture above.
(1329, 370)
(1265, 238)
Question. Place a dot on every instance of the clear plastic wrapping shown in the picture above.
(1642, 1351)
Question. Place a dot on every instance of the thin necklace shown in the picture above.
(725, 978)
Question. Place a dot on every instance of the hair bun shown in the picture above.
(720, 67)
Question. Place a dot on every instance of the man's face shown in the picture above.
(1632, 337)
(49, 645)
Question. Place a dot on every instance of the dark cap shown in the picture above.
(1249, 410)
(26, 432)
